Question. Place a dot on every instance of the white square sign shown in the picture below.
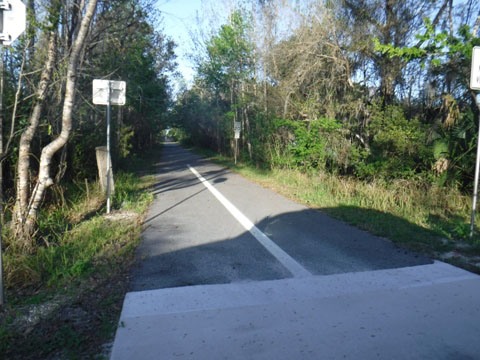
(14, 18)
(109, 92)
(237, 127)
(12, 25)
(475, 71)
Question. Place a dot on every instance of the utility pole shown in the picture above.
(109, 165)
(13, 18)
(475, 85)
(1, 165)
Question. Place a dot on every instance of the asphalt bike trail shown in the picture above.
(230, 270)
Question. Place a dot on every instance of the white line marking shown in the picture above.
(293, 266)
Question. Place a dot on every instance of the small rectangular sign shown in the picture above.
(13, 20)
(475, 70)
(237, 128)
(109, 92)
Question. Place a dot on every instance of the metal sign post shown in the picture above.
(109, 167)
(475, 85)
(13, 18)
(237, 127)
(475, 181)
(1, 171)
(109, 92)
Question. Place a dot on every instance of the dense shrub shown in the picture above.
(398, 146)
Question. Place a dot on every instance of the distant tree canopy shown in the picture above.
(53, 127)
(364, 88)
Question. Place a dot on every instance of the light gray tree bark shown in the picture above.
(44, 181)
(23, 166)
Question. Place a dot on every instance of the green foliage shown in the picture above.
(439, 47)
(80, 269)
(128, 196)
(72, 247)
(82, 149)
(139, 55)
(224, 73)
(414, 213)
(308, 146)
(394, 135)
(454, 146)
(315, 144)
(229, 54)
(177, 134)
(440, 149)
(398, 146)
(201, 120)
(401, 112)
(124, 144)
(407, 53)
(446, 58)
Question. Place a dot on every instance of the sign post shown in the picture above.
(109, 165)
(109, 92)
(237, 127)
(475, 85)
(13, 18)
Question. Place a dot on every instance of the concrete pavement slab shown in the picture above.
(422, 312)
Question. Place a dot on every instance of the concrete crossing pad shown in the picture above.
(421, 312)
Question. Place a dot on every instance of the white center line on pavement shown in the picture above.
(286, 260)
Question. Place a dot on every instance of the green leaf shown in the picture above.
(440, 149)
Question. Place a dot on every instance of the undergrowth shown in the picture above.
(421, 216)
(76, 241)
(79, 249)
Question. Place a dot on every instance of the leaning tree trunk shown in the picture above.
(24, 151)
(44, 180)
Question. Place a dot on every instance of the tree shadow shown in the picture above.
(171, 255)
(397, 229)
(173, 162)
(454, 227)
(188, 240)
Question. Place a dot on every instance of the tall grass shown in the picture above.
(419, 215)
(76, 240)
(77, 269)
(413, 201)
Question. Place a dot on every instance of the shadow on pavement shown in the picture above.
(175, 252)
(322, 245)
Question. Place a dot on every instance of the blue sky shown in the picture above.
(178, 19)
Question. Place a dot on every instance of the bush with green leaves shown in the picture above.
(398, 147)
(313, 144)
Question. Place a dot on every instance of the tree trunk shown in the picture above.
(1, 156)
(44, 180)
(246, 121)
(23, 167)
(389, 69)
